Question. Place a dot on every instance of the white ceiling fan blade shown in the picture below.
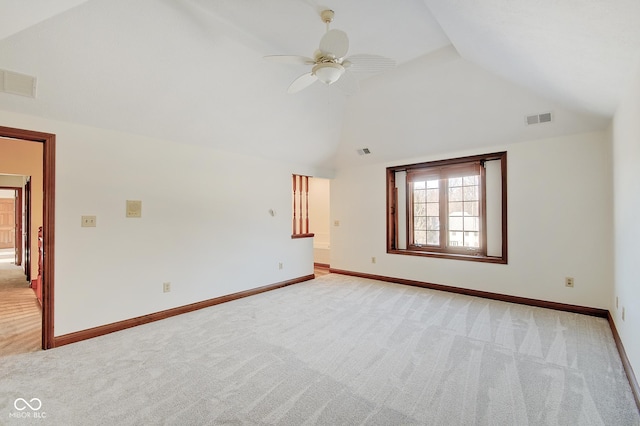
(368, 64)
(290, 59)
(335, 42)
(347, 83)
(305, 80)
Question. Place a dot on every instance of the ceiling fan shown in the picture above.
(329, 63)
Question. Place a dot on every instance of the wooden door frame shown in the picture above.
(19, 228)
(27, 227)
(48, 209)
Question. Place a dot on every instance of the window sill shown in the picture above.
(294, 236)
(454, 256)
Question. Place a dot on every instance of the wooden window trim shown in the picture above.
(480, 256)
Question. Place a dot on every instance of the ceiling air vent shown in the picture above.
(17, 84)
(545, 117)
(364, 151)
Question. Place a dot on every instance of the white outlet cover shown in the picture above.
(88, 222)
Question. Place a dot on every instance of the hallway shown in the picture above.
(20, 312)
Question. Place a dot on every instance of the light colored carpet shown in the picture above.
(335, 350)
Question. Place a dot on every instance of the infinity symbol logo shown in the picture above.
(22, 404)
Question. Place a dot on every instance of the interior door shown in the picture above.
(7, 223)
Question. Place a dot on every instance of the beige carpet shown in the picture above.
(335, 350)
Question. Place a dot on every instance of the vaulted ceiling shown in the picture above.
(192, 71)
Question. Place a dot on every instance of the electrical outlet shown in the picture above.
(373, 259)
(88, 221)
(280, 265)
(568, 281)
(166, 287)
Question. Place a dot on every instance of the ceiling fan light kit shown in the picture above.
(330, 62)
(328, 72)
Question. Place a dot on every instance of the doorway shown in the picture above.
(46, 276)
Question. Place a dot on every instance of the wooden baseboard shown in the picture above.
(602, 313)
(133, 322)
(321, 265)
(633, 382)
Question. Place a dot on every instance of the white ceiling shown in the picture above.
(192, 71)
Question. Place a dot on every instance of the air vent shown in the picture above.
(364, 151)
(17, 84)
(545, 117)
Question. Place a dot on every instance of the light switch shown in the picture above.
(134, 208)
(88, 221)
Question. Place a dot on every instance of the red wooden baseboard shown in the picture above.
(484, 294)
(132, 322)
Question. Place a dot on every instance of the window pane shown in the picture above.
(472, 208)
(419, 196)
(433, 195)
(470, 180)
(455, 209)
(455, 194)
(455, 223)
(471, 224)
(455, 182)
(419, 209)
(455, 239)
(418, 185)
(470, 193)
(433, 209)
(420, 238)
(433, 223)
(472, 239)
(433, 238)
(433, 183)
(419, 223)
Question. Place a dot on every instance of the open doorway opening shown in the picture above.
(319, 219)
(20, 308)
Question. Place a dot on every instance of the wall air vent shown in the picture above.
(364, 151)
(545, 117)
(17, 84)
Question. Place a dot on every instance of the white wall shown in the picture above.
(212, 236)
(559, 224)
(626, 166)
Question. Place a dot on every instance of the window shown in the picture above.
(300, 207)
(449, 208)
